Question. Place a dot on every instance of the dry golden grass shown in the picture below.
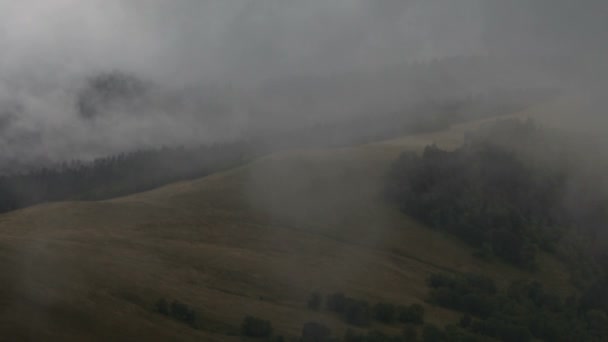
(254, 240)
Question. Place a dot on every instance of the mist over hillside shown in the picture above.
(289, 170)
(207, 71)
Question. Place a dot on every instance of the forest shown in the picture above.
(117, 175)
(506, 191)
(512, 191)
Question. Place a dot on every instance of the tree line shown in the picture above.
(117, 175)
(525, 311)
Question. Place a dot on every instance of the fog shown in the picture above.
(81, 80)
(218, 70)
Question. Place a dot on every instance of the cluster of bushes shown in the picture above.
(523, 312)
(315, 301)
(472, 294)
(178, 311)
(256, 327)
(353, 311)
(450, 333)
(361, 313)
(389, 313)
(315, 332)
(409, 335)
(429, 333)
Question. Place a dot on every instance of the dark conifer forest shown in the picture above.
(118, 175)
(509, 192)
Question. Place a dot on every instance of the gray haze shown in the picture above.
(212, 66)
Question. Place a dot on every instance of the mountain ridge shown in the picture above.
(254, 240)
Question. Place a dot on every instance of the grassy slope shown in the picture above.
(255, 240)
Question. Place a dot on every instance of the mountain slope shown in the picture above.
(256, 240)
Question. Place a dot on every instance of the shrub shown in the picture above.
(432, 333)
(336, 302)
(372, 336)
(162, 307)
(355, 312)
(384, 312)
(413, 314)
(351, 336)
(314, 302)
(379, 336)
(453, 333)
(256, 327)
(315, 332)
(178, 311)
(465, 321)
(183, 312)
(410, 334)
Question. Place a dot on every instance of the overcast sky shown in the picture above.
(184, 39)
(48, 46)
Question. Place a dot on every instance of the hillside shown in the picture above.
(258, 240)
